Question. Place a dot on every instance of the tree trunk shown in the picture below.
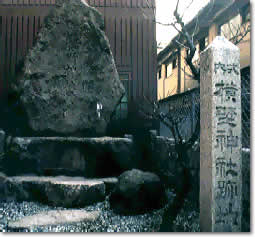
(172, 210)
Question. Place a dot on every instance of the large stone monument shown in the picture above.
(71, 83)
(220, 141)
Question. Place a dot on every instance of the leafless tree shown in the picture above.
(172, 120)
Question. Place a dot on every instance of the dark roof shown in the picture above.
(214, 11)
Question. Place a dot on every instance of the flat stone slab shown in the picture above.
(69, 156)
(110, 183)
(57, 191)
(52, 218)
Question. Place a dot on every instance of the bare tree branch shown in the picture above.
(184, 46)
(187, 74)
(190, 44)
(241, 35)
(195, 135)
(173, 118)
(187, 8)
(177, 5)
(195, 30)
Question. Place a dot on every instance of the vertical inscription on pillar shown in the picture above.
(222, 75)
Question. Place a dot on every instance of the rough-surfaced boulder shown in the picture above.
(137, 192)
(70, 84)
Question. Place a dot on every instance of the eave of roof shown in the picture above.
(212, 12)
(180, 95)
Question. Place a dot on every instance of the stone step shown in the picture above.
(53, 218)
(69, 156)
(110, 183)
(58, 191)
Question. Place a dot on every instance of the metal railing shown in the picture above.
(183, 108)
(245, 98)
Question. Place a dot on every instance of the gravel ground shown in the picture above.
(108, 221)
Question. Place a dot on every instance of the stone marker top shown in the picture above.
(221, 42)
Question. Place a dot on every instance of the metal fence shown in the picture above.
(245, 96)
(185, 108)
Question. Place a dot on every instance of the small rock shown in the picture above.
(137, 192)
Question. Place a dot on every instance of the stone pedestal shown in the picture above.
(220, 144)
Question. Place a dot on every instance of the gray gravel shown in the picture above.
(108, 221)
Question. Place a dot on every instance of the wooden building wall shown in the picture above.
(20, 21)
(129, 26)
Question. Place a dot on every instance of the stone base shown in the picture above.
(91, 157)
(52, 156)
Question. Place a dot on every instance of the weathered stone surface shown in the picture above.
(3, 182)
(52, 218)
(162, 160)
(2, 142)
(137, 192)
(88, 157)
(57, 191)
(110, 183)
(220, 139)
(92, 157)
(71, 85)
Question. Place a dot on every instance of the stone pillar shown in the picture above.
(220, 140)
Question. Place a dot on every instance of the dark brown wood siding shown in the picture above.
(20, 21)
(129, 27)
(122, 3)
(132, 35)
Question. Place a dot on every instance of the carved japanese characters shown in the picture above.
(220, 142)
